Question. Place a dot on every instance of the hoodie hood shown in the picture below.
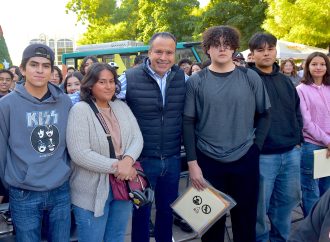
(275, 71)
(55, 91)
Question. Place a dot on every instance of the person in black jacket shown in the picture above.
(279, 187)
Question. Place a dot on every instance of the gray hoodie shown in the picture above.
(33, 152)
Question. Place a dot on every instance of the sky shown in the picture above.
(23, 20)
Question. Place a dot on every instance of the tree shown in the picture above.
(175, 16)
(106, 21)
(5, 60)
(302, 21)
(246, 15)
(134, 19)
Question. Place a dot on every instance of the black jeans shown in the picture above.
(240, 180)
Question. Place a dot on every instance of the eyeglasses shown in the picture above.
(222, 46)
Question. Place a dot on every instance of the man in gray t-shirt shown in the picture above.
(225, 123)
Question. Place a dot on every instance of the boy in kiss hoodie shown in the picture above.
(34, 162)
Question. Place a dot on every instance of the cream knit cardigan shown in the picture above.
(89, 151)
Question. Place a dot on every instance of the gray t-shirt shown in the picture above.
(224, 108)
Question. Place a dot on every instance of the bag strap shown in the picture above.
(104, 126)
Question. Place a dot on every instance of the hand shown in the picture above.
(114, 167)
(125, 169)
(196, 176)
(328, 151)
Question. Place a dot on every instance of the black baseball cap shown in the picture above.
(238, 56)
(40, 50)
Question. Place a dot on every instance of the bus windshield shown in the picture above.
(124, 55)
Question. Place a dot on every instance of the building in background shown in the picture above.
(59, 45)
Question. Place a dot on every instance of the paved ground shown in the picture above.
(177, 233)
(180, 236)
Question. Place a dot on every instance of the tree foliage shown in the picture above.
(175, 16)
(106, 21)
(302, 21)
(246, 15)
(4, 54)
(134, 19)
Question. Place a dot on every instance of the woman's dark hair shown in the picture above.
(139, 59)
(259, 40)
(211, 37)
(185, 60)
(60, 75)
(92, 77)
(194, 64)
(71, 68)
(17, 71)
(294, 67)
(8, 72)
(83, 63)
(307, 78)
(76, 74)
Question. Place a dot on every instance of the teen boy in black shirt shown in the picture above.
(225, 124)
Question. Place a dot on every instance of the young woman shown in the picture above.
(57, 76)
(17, 76)
(195, 67)
(288, 68)
(86, 63)
(72, 82)
(314, 93)
(98, 216)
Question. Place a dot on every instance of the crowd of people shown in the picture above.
(249, 129)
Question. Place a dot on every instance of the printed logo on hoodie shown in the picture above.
(45, 135)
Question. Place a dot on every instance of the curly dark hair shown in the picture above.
(83, 63)
(307, 78)
(92, 77)
(211, 37)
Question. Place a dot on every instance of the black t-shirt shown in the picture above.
(47, 95)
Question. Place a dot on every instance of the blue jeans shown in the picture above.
(279, 194)
(110, 227)
(312, 189)
(164, 175)
(29, 207)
